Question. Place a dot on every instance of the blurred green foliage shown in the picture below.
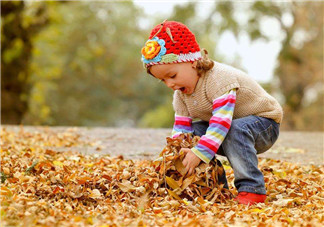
(80, 63)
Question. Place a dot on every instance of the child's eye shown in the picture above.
(173, 76)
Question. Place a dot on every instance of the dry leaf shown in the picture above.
(172, 183)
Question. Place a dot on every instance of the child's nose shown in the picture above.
(169, 83)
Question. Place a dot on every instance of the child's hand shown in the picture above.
(190, 161)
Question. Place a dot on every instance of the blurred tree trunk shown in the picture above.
(300, 66)
(16, 52)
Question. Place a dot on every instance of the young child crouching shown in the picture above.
(238, 118)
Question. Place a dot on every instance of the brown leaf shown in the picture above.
(180, 167)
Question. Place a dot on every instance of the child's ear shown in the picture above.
(194, 64)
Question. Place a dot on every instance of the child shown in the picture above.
(238, 118)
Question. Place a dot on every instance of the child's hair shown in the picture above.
(203, 65)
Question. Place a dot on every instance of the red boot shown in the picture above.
(249, 198)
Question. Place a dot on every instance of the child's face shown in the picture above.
(178, 76)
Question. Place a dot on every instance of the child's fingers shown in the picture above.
(190, 172)
(186, 165)
(184, 150)
(186, 171)
(185, 162)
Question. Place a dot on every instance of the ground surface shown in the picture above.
(49, 177)
(297, 147)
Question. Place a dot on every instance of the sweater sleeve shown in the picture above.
(182, 121)
(219, 124)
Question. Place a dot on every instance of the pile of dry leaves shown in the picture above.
(203, 185)
(44, 187)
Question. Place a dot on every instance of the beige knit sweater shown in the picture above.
(251, 98)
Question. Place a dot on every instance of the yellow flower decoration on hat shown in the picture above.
(153, 50)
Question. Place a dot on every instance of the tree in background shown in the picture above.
(300, 61)
(300, 69)
(87, 68)
(19, 25)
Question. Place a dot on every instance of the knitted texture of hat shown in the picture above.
(170, 42)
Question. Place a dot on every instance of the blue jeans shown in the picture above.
(247, 137)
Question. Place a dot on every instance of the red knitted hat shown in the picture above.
(170, 42)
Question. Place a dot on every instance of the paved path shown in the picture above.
(297, 147)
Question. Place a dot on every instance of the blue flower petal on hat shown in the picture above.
(162, 52)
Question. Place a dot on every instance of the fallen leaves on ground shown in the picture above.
(44, 187)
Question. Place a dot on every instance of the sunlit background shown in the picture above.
(78, 62)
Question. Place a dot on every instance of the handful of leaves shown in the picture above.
(204, 184)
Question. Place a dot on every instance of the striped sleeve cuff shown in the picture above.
(181, 125)
(205, 157)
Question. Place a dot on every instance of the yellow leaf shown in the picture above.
(90, 220)
(89, 164)
(257, 210)
(226, 167)
(280, 173)
(289, 221)
(58, 163)
(174, 195)
(77, 218)
(187, 182)
(172, 183)
(185, 202)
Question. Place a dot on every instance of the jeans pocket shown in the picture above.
(265, 139)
